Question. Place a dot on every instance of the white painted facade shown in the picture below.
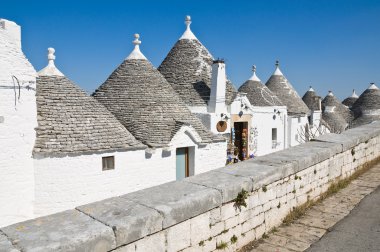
(17, 122)
(296, 126)
(33, 186)
(63, 183)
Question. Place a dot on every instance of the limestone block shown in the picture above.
(76, 232)
(130, 221)
(178, 236)
(177, 201)
(231, 222)
(253, 200)
(200, 228)
(215, 215)
(246, 238)
(229, 185)
(128, 248)
(252, 223)
(228, 211)
(259, 231)
(216, 229)
(266, 195)
(6, 245)
(154, 242)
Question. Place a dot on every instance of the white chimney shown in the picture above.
(12, 29)
(217, 103)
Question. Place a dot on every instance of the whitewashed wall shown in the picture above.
(262, 124)
(66, 182)
(17, 123)
(296, 129)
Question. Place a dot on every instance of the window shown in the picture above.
(274, 138)
(299, 119)
(274, 134)
(108, 163)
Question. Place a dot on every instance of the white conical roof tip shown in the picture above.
(330, 93)
(188, 34)
(311, 89)
(254, 76)
(277, 71)
(136, 53)
(373, 86)
(354, 95)
(50, 69)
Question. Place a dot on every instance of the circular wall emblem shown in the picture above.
(221, 126)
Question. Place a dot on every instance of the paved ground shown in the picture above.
(359, 231)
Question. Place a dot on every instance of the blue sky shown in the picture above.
(331, 45)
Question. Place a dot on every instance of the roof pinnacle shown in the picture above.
(136, 53)
(188, 34)
(330, 93)
(277, 71)
(50, 69)
(354, 95)
(254, 76)
(311, 89)
(372, 86)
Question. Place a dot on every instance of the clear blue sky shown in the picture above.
(327, 44)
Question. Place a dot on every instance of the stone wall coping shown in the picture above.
(113, 222)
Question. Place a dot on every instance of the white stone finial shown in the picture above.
(330, 93)
(254, 76)
(372, 86)
(50, 69)
(277, 71)
(311, 89)
(136, 53)
(188, 34)
(354, 95)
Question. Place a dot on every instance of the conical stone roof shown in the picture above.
(188, 67)
(70, 121)
(145, 103)
(349, 101)
(281, 87)
(257, 93)
(331, 101)
(336, 123)
(368, 101)
(311, 99)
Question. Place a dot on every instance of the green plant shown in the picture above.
(294, 191)
(201, 243)
(315, 171)
(279, 205)
(242, 234)
(210, 238)
(222, 245)
(240, 199)
(354, 160)
(265, 236)
(274, 230)
(234, 239)
(353, 151)
(296, 177)
(265, 188)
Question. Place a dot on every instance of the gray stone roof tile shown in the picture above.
(281, 87)
(70, 121)
(259, 94)
(311, 99)
(146, 104)
(187, 67)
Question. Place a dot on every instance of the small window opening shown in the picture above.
(108, 163)
(274, 138)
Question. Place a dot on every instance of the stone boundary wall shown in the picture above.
(198, 213)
